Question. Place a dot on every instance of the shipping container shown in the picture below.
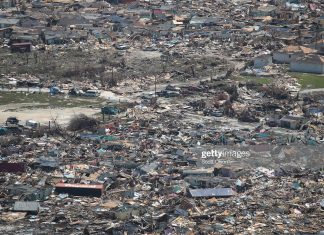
(88, 190)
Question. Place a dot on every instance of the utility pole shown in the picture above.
(316, 34)
(155, 85)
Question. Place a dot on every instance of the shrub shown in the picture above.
(82, 122)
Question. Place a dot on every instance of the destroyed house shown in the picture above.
(319, 46)
(262, 61)
(19, 189)
(7, 22)
(14, 167)
(203, 182)
(141, 13)
(7, 3)
(284, 16)
(94, 190)
(205, 21)
(148, 168)
(5, 32)
(207, 172)
(47, 163)
(163, 12)
(74, 7)
(29, 22)
(263, 11)
(291, 122)
(21, 47)
(101, 34)
(78, 36)
(127, 164)
(68, 20)
(40, 194)
(120, 1)
(38, 4)
(320, 21)
(127, 212)
(315, 110)
(28, 193)
(24, 37)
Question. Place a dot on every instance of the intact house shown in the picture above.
(290, 53)
(312, 63)
(262, 61)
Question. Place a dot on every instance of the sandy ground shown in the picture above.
(138, 54)
(62, 115)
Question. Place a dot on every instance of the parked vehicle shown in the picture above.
(121, 46)
(32, 124)
(55, 90)
(168, 94)
(109, 110)
(214, 113)
(12, 120)
(92, 93)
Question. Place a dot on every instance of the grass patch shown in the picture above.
(308, 80)
(260, 80)
(43, 100)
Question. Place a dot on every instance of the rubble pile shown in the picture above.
(146, 170)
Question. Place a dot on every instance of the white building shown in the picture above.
(290, 53)
(308, 64)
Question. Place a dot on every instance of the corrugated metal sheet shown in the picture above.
(212, 192)
(150, 167)
(26, 206)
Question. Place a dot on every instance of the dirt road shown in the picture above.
(61, 115)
